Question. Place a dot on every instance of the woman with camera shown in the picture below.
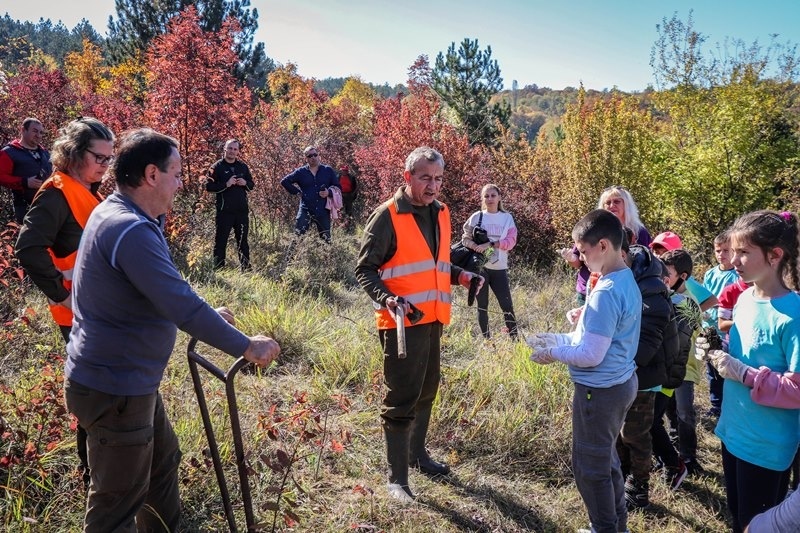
(493, 228)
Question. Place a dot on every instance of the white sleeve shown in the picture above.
(590, 352)
(782, 518)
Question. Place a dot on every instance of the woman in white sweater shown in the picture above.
(502, 232)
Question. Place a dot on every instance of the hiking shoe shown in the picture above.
(636, 493)
(693, 468)
(428, 466)
(674, 475)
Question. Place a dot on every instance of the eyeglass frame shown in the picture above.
(101, 159)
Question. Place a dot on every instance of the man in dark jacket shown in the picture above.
(24, 165)
(230, 179)
(313, 183)
(658, 342)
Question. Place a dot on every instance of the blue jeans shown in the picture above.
(715, 382)
(687, 420)
(597, 417)
(322, 220)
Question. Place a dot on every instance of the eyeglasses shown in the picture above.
(101, 159)
(309, 156)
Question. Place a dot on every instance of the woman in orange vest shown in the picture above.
(48, 241)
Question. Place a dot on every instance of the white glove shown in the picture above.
(728, 366)
(701, 348)
(547, 340)
(542, 356)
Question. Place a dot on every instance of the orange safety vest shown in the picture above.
(414, 274)
(81, 203)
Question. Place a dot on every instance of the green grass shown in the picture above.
(502, 422)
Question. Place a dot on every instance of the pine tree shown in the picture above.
(466, 79)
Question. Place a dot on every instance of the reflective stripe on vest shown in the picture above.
(413, 274)
(81, 203)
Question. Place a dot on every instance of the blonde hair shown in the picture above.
(499, 202)
(632, 220)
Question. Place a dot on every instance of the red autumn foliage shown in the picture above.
(193, 96)
(406, 122)
(36, 92)
(193, 93)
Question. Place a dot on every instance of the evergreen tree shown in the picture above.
(140, 21)
(466, 79)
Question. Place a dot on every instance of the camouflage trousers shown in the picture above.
(634, 444)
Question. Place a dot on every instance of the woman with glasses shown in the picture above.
(502, 233)
(617, 200)
(48, 240)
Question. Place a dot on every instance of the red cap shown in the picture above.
(344, 168)
(668, 240)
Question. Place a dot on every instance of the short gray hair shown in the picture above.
(423, 152)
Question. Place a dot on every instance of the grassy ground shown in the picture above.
(311, 426)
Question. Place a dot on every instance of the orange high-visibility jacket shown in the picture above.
(81, 203)
(414, 274)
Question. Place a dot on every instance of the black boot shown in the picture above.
(418, 454)
(397, 457)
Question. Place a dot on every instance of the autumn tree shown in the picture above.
(526, 194)
(139, 22)
(38, 92)
(466, 78)
(730, 144)
(85, 69)
(606, 142)
(193, 96)
(408, 121)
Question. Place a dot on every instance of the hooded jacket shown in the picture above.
(686, 309)
(658, 339)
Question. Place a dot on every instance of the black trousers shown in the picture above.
(412, 383)
(239, 222)
(751, 489)
(497, 280)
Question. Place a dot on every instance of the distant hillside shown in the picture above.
(533, 107)
(333, 85)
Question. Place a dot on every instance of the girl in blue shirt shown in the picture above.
(759, 442)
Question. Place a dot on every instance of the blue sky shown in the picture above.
(550, 43)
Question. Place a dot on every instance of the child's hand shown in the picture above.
(542, 356)
(546, 340)
(701, 348)
(574, 314)
(728, 366)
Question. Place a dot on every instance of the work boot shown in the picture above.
(418, 455)
(397, 457)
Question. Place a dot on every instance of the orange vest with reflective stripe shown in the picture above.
(414, 274)
(81, 203)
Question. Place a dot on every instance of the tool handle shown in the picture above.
(399, 317)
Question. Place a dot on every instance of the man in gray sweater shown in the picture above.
(129, 300)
